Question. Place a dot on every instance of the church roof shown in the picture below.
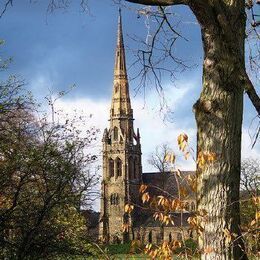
(163, 184)
(166, 183)
(147, 220)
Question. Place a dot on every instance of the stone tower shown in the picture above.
(122, 166)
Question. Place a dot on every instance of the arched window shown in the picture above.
(131, 168)
(115, 133)
(114, 199)
(192, 206)
(116, 87)
(111, 168)
(187, 206)
(135, 168)
(170, 237)
(130, 133)
(119, 167)
(179, 237)
(150, 237)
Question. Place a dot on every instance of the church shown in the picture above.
(123, 175)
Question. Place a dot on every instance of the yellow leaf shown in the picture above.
(177, 243)
(129, 208)
(143, 188)
(178, 172)
(145, 197)
(167, 157)
(183, 192)
(172, 158)
(156, 215)
(182, 141)
(253, 222)
(227, 234)
(256, 200)
(186, 155)
(125, 227)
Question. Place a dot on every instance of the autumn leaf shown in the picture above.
(182, 141)
(129, 208)
(178, 172)
(227, 235)
(125, 227)
(186, 155)
(145, 197)
(256, 200)
(183, 192)
(170, 158)
(177, 244)
(143, 188)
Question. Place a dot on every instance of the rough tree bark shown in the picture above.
(218, 115)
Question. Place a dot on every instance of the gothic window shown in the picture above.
(114, 199)
(187, 206)
(150, 237)
(130, 133)
(115, 133)
(192, 206)
(111, 168)
(135, 168)
(116, 88)
(170, 237)
(119, 167)
(131, 168)
(158, 238)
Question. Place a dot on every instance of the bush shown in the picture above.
(119, 248)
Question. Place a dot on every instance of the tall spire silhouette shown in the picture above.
(121, 105)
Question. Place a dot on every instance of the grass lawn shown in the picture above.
(132, 257)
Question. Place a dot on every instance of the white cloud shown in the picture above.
(154, 131)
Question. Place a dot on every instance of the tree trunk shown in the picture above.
(218, 115)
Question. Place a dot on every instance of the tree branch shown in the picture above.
(7, 3)
(159, 2)
(251, 92)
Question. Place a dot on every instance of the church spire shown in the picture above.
(120, 64)
(121, 105)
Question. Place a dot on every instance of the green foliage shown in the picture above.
(119, 248)
(247, 211)
(45, 177)
(191, 246)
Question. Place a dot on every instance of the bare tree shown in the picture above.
(250, 176)
(159, 160)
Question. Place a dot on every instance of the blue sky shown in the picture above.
(70, 47)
